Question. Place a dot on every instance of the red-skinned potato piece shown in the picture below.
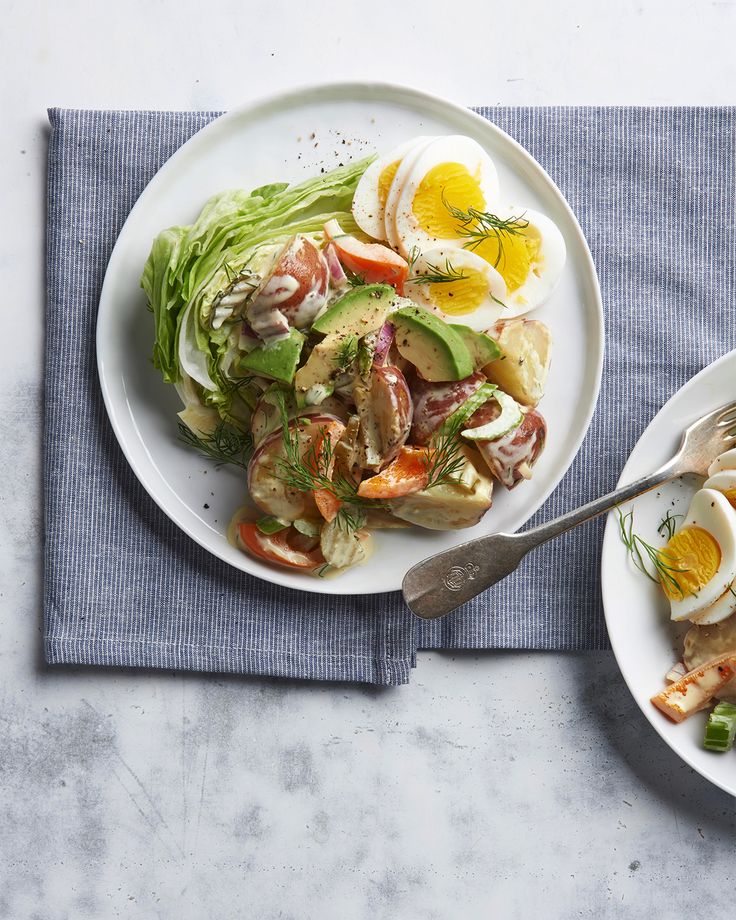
(385, 409)
(373, 262)
(408, 473)
(435, 402)
(265, 475)
(266, 417)
(276, 548)
(511, 457)
(293, 293)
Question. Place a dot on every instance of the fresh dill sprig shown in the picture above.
(668, 525)
(351, 517)
(353, 279)
(436, 274)
(478, 226)
(309, 471)
(347, 352)
(226, 444)
(445, 458)
(640, 551)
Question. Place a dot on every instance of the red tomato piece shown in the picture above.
(373, 262)
(275, 547)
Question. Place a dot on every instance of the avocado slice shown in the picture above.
(359, 311)
(275, 360)
(481, 346)
(315, 381)
(431, 345)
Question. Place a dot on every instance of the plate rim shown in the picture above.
(610, 538)
(380, 91)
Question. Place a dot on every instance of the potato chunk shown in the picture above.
(451, 506)
(522, 371)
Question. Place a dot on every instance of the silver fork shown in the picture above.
(442, 583)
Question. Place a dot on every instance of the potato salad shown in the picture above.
(358, 345)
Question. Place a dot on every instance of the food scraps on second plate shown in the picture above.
(357, 345)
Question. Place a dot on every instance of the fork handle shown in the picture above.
(440, 584)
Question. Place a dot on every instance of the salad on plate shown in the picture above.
(696, 569)
(358, 345)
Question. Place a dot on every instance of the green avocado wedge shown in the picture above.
(435, 349)
(359, 311)
(276, 360)
(483, 349)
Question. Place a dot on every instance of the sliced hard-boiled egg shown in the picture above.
(404, 170)
(719, 610)
(527, 250)
(724, 461)
(724, 481)
(369, 201)
(459, 285)
(450, 174)
(699, 560)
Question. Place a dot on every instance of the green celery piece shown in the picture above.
(269, 524)
(470, 406)
(720, 728)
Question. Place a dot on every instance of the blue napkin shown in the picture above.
(653, 190)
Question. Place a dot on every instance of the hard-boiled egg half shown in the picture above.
(699, 560)
(460, 285)
(722, 475)
(371, 195)
(452, 172)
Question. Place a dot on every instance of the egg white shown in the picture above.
(405, 169)
(724, 461)
(721, 480)
(545, 271)
(368, 211)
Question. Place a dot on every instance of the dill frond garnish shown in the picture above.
(226, 444)
(478, 226)
(436, 274)
(347, 352)
(445, 458)
(668, 525)
(643, 554)
(309, 471)
(351, 517)
(353, 279)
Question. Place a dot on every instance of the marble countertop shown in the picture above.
(495, 783)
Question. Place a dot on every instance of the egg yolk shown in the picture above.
(446, 182)
(513, 255)
(456, 298)
(731, 496)
(692, 557)
(385, 180)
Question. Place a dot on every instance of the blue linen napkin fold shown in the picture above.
(653, 190)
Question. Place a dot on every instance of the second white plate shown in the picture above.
(291, 137)
(644, 639)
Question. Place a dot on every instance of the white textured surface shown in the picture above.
(495, 784)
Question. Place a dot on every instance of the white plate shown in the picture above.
(290, 137)
(644, 639)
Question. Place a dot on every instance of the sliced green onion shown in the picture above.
(269, 524)
(721, 728)
(471, 405)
